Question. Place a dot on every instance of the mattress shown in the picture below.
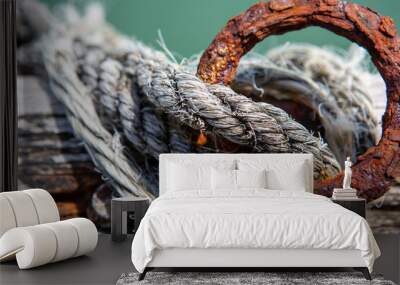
(250, 219)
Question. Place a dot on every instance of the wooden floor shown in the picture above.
(106, 264)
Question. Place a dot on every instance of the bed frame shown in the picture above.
(242, 259)
(246, 259)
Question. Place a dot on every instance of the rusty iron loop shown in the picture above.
(376, 169)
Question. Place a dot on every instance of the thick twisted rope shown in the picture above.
(139, 104)
(346, 113)
(345, 78)
(214, 108)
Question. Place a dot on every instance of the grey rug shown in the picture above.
(243, 278)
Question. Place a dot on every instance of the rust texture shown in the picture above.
(375, 170)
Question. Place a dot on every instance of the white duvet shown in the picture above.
(250, 219)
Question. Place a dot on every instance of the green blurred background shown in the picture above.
(188, 26)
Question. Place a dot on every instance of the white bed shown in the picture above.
(249, 227)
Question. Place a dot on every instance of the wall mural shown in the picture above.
(96, 108)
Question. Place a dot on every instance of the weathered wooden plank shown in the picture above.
(71, 185)
(44, 124)
(69, 210)
(33, 99)
(71, 145)
(59, 169)
(50, 156)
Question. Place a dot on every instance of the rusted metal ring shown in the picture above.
(375, 170)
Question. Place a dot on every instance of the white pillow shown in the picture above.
(183, 177)
(251, 178)
(224, 179)
(228, 180)
(282, 174)
(290, 179)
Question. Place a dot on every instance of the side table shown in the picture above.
(357, 205)
(126, 214)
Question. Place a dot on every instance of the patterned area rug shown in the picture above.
(243, 278)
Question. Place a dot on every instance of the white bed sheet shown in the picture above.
(256, 218)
